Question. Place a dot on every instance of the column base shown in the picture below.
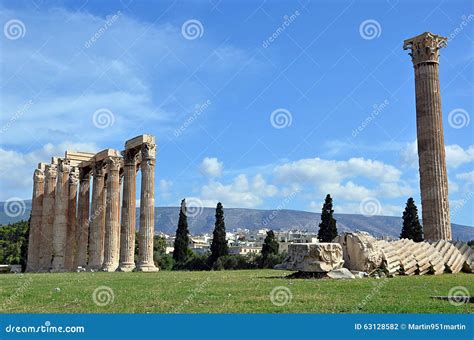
(126, 267)
(147, 267)
(109, 268)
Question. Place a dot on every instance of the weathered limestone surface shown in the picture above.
(35, 221)
(341, 273)
(60, 216)
(408, 265)
(390, 258)
(82, 235)
(313, 257)
(97, 218)
(453, 259)
(127, 230)
(431, 151)
(361, 251)
(147, 208)
(467, 254)
(70, 252)
(47, 218)
(112, 227)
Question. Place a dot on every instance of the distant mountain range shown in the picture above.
(166, 220)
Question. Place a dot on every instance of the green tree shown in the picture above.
(14, 243)
(412, 228)
(270, 245)
(327, 228)
(181, 243)
(219, 243)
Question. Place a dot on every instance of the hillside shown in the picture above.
(166, 220)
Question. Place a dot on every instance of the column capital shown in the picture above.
(85, 173)
(99, 169)
(424, 47)
(51, 170)
(64, 165)
(114, 163)
(130, 156)
(74, 176)
(38, 176)
(148, 151)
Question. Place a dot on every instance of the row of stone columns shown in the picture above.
(68, 231)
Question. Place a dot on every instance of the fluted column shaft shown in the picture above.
(47, 218)
(70, 254)
(147, 208)
(35, 221)
(97, 219)
(60, 217)
(83, 206)
(432, 155)
(112, 227)
(127, 230)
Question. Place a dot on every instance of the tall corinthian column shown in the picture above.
(35, 221)
(60, 216)
(112, 226)
(431, 152)
(47, 218)
(97, 219)
(147, 208)
(82, 233)
(70, 259)
(127, 230)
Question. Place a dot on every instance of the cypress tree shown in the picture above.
(219, 243)
(327, 228)
(270, 245)
(181, 242)
(412, 228)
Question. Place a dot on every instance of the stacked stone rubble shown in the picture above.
(68, 231)
(467, 254)
(453, 259)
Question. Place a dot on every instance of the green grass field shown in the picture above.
(243, 291)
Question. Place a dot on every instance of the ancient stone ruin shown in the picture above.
(360, 252)
(429, 121)
(69, 233)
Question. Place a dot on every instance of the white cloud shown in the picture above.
(211, 167)
(240, 193)
(468, 177)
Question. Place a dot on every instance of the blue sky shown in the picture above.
(326, 105)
